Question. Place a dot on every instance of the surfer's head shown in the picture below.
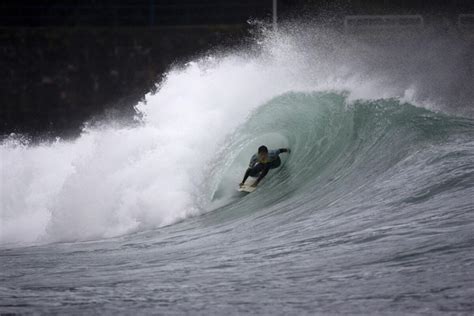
(262, 153)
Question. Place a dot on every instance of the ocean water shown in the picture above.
(371, 213)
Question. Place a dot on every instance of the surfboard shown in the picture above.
(247, 187)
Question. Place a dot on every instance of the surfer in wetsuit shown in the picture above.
(263, 161)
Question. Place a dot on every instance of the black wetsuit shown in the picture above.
(260, 169)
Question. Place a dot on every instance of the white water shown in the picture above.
(114, 180)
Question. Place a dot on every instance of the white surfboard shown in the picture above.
(247, 187)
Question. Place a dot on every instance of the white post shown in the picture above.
(275, 15)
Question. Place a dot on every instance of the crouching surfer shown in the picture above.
(262, 162)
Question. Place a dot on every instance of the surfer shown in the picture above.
(263, 161)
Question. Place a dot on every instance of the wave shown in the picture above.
(356, 140)
(383, 151)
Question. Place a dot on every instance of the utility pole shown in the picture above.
(152, 13)
(275, 15)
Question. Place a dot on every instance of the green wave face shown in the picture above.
(345, 155)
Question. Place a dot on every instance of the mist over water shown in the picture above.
(378, 186)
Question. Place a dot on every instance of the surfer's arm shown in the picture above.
(253, 161)
(261, 176)
(247, 173)
(284, 150)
